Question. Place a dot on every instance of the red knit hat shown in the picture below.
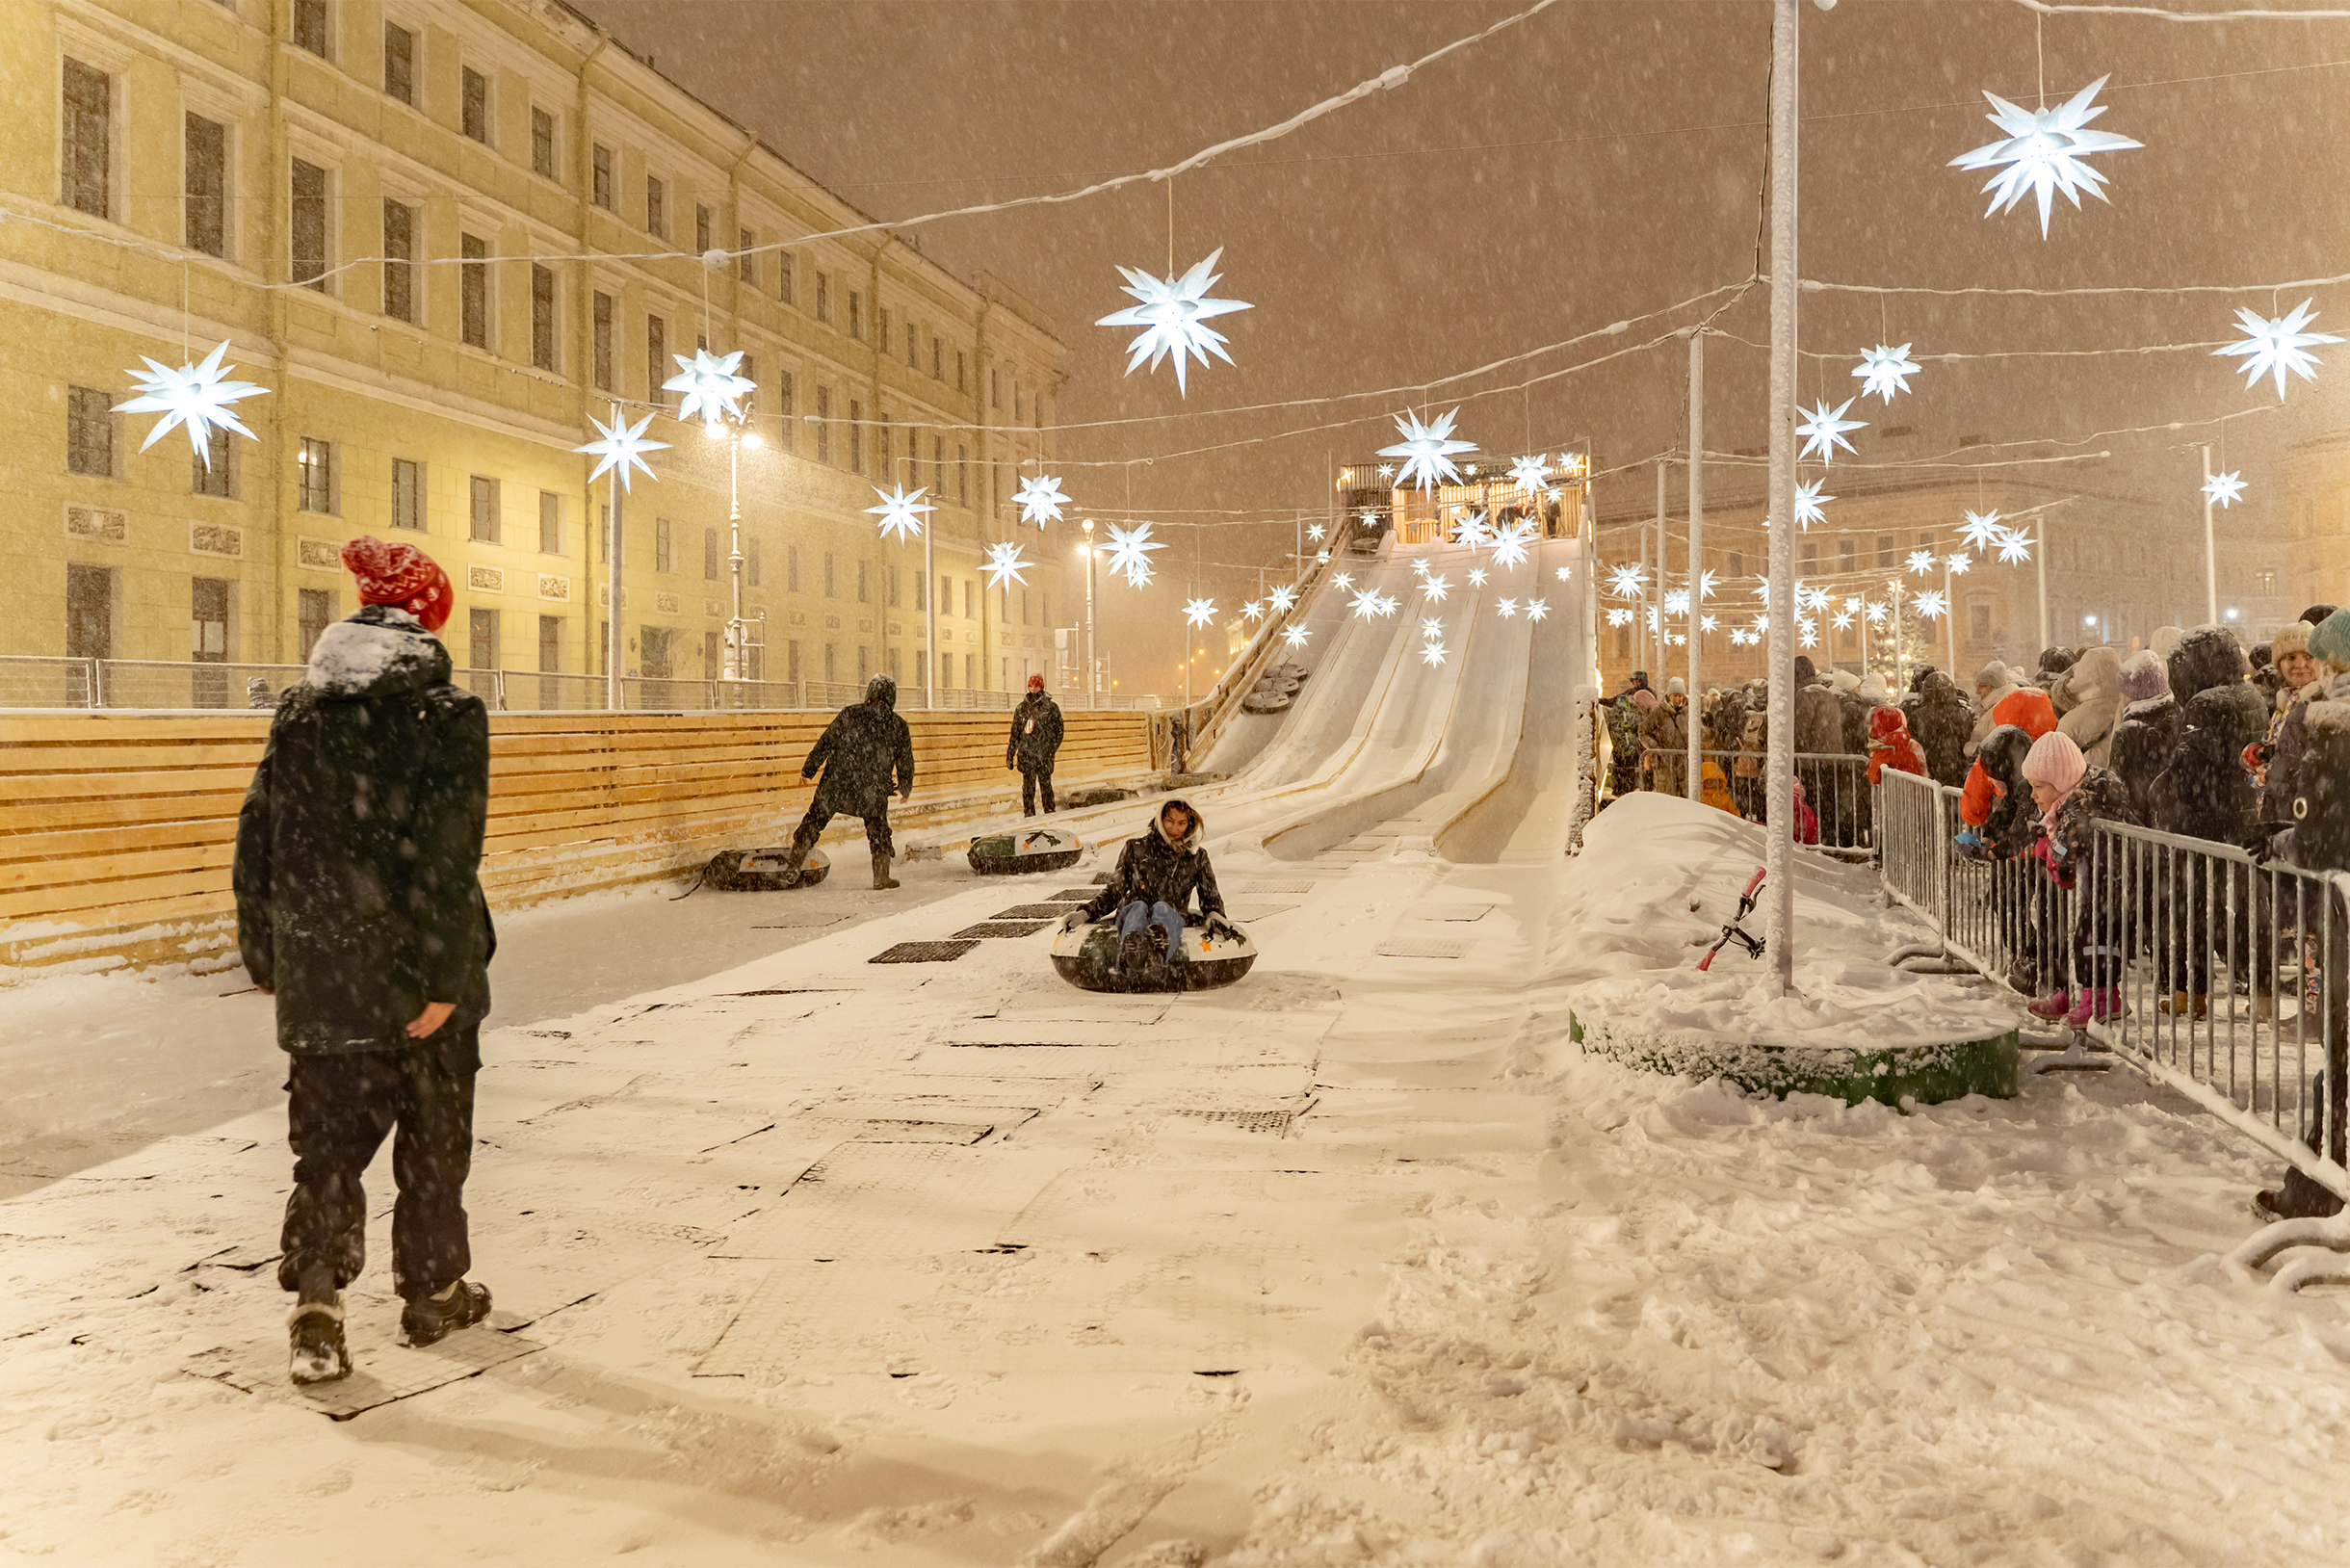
(1035, 683)
(402, 576)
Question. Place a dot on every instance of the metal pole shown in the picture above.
(929, 623)
(1779, 838)
(612, 568)
(2211, 564)
(1091, 699)
(734, 524)
(1900, 648)
(1695, 782)
(2040, 564)
(1950, 610)
(1648, 660)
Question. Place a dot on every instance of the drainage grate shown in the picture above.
(1002, 927)
(922, 953)
(1425, 947)
(1031, 912)
(1300, 886)
(1275, 1122)
(1449, 911)
(1076, 895)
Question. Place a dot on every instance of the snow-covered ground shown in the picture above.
(818, 1261)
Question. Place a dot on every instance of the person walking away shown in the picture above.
(2203, 792)
(1157, 877)
(2149, 730)
(2072, 797)
(1035, 741)
(360, 911)
(1665, 739)
(865, 753)
(2088, 700)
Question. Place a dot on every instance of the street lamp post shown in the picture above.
(612, 568)
(1780, 843)
(929, 623)
(1695, 779)
(736, 437)
(2211, 564)
(1090, 699)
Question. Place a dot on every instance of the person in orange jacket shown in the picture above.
(2029, 709)
(1891, 745)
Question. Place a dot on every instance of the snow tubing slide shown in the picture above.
(1926, 1074)
(1087, 956)
(1032, 849)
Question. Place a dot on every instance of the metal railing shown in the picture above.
(1835, 785)
(2213, 974)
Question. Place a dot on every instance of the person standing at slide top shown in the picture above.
(864, 753)
(1035, 741)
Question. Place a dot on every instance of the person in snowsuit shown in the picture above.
(359, 910)
(2204, 792)
(865, 753)
(1035, 741)
(1665, 739)
(1157, 876)
(1940, 722)
(2072, 797)
(1890, 746)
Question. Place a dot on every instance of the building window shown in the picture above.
(831, 582)
(856, 436)
(312, 28)
(864, 585)
(750, 563)
(791, 568)
(316, 462)
(824, 424)
(938, 360)
(922, 595)
(542, 316)
(481, 639)
(1885, 553)
(897, 585)
(1847, 555)
(824, 297)
(959, 367)
(208, 614)
(217, 477)
(90, 611)
(856, 315)
(407, 495)
(542, 143)
(938, 466)
(473, 99)
(994, 388)
(550, 523)
(1978, 623)
(710, 656)
(912, 360)
(656, 207)
(400, 261)
(783, 278)
(87, 137)
(550, 644)
(603, 180)
(90, 432)
(962, 475)
(400, 64)
(656, 360)
(747, 265)
(207, 186)
(946, 594)
(665, 546)
(832, 658)
(701, 228)
(791, 661)
(710, 554)
(484, 509)
(314, 613)
(600, 349)
(1737, 564)
(307, 251)
(885, 335)
(473, 290)
(786, 406)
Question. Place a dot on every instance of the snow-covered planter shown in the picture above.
(1924, 1072)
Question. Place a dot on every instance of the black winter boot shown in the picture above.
(795, 858)
(882, 879)
(316, 1352)
(430, 1319)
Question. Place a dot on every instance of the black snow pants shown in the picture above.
(338, 1110)
(1030, 783)
(819, 816)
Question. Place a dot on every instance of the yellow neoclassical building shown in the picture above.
(442, 234)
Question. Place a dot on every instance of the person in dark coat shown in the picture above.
(2054, 661)
(2071, 797)
(1158, 874)
(2149, 730)
(359, 910)
(2021, 902)
(1941, 722)
(1035, 741)
(865, 753)
(2204, 792)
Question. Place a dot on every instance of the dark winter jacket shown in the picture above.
(864, 753)
(1940, 722)
(2291, 729)
(1035, 733)
(2068, 841)
(2202, 790)
(1819, 721)
(2027, 708)
(1852, 722)
(2142, 746)
(359, 845)
(1666, 741)
(1153, 870)
(2013, 822)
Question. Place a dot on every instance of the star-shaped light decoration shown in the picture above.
(1958, 563)
(1005, 566)
(1705, 586)
(2041, 152)
(2222, 490)
(1435, 589)
(1387, 470)
(1367, 603)
(1389, 604)
(1842, 620)
(1530, 475)
(1323, 558)
(900, 513)
(2273, 347)
(1536, 609)
(1173, 313)
(1823, 429)
(1806, 634)
(1677, 602)
(1477, 577)
(1426, 450)
(1625, 581)
(1709, 623)
(1810, 598)
(1809, 504)
(1763, 590)
(1740, 637)
(1040, 499)
(1921, 562)
(1982, 529)
(1371, 518)
(1432, 654)
(1314, 532)
(1930, 604)
(1508, 609)
(1345, 581)
(1761, 623)
(1565, 574)
(1419, 565)
(1874, 613)
(2015, 547)
(1471, 530)
(1199, 611)
(1432, 627)
(1252, 609)
(1883, 371)
(1509, 545)
(1678, 640)
(196, 399)
(622, 445)
(1283, 597)
(1295, 636)
(1619, 617)
(710, 384)
(1130, 551)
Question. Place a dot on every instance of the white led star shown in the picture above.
(1677, 602)
(1370, 519)
(1344, 580)
(1761, 623)
(2041, 152)
(1619, 617)
(1959, 564)
(2271, 347)
(1705, 586)
(1389, 604)
(1252, 609)
(1810, 598)
(900, 513)
(1874, 613)
(1477, 577)
(1173, 313)
(1419, 565)
(1367, 603)
(1740, 637)
(1565, 574)
(1283, 598)
(1530, 475)
(1432, 627)
(1930, 604)
(1471, 530)
(1823, 429)
(2223, 489)
(1806, 634)
(1387, 470)
(1314, 532)
(1842, 620)
(1624, 582)
(195, 398)
(1323, 558)
(1426, 450)
(1435, 589)
(1883, 371)
(1678, 640)
(710, 385)
(1709, 623)
(622, 445)
(2015, 547)
(1921, 562)
(1536, 609)
(1982, 529)
(1509, 545)
(1432, 654)
(1295, 636)
(1040, 499)
(1199, 611)
(1809, 504)
(1129, 552)
(1005, 566)
(1508, 609)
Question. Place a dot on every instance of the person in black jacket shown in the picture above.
(1942, 719)
(359, 910)
(1036, 740)
(2020, 902)
(864, 753)
(1157, 876)
(2204, 792)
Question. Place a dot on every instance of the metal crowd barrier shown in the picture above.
(2222, 977)
(1835, 784)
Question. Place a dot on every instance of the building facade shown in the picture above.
(442, 234)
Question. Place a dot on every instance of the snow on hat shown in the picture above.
(1994, 676)
(402, 576)
(1845, 680)
(2054, 760)
(2143, 676)
(2164, 640)
(1676, 686)
(1035, 683)
(2290, 641)
(1873, 691)
(2330, 642)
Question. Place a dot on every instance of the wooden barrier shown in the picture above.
(117, 830)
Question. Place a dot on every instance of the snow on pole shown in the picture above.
(1779, 837)
(1695, 779)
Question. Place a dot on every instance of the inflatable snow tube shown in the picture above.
(1258, 703)
(1087, 958)
(1031, 849)
(761, 871)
